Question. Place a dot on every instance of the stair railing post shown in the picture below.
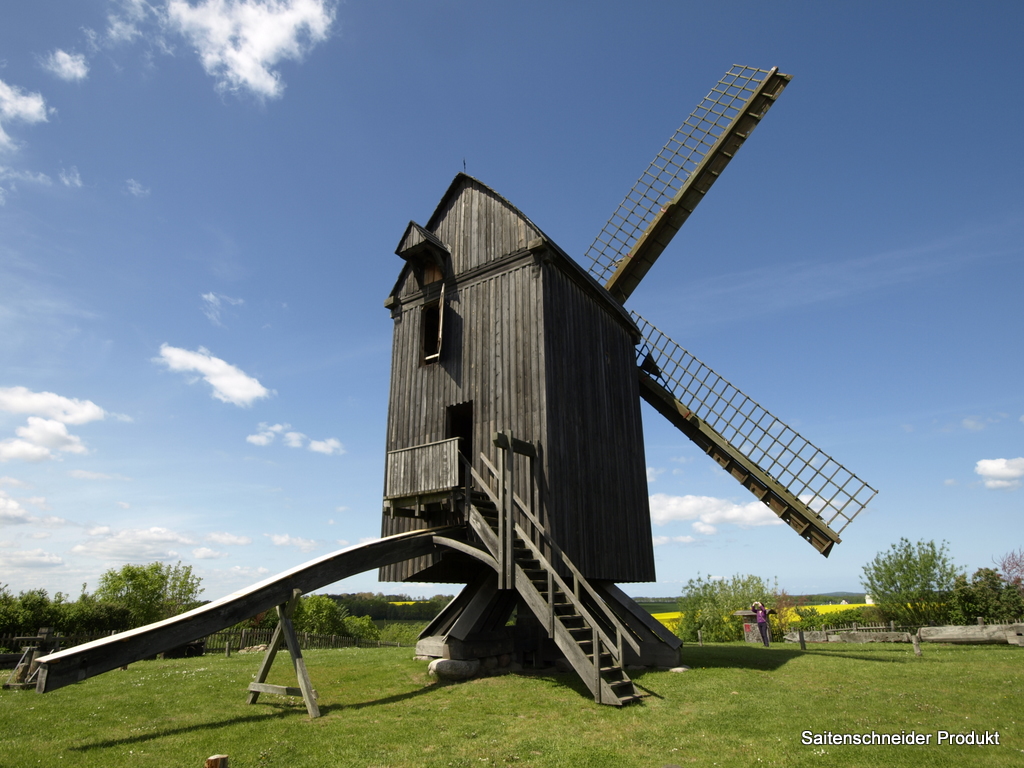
(509, 564)
(551, 604)
(502, 491)
(597, 663)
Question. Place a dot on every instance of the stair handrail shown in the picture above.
(621, 633)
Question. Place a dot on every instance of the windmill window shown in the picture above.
(431, 274)
(432, 323)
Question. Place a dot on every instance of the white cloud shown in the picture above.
(50, 434)
(82, 474)
(230, 384)
(660, 541)
(13, 482)
(50, 405)
(132, 544)
(707, 512)
(205, 553)
(124, 505)
(30, 558)
(652, 474)
(17, 105)
(252, 573)
(23, 450)
(10, 174)
(70, 178)
(66, 66)
(135, 188)
(213, 304)
(286, 540)
(294, 439)
(123, 27)
(12, 513)
(330, 446)
(342, 542)
(228, 539)
(1001, 473)
(239, 42)
(41, 436)
(267, 433)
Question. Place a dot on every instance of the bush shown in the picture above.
(361, 628)
(320, 615)
(404, 633)
(911, 583)
(708, 604)
(987, 595)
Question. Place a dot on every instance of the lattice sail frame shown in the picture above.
(666, 174)
(810, 474)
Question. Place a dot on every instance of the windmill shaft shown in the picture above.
(674, 214)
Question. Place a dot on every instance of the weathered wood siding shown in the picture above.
(479, 226)
(491, 355)
(422, 469)
(540, 355)
(594, 452)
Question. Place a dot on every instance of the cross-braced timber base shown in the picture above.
(285, 631)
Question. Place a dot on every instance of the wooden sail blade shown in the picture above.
(805, 487)
(679, 177)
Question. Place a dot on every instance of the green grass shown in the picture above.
(739, 705)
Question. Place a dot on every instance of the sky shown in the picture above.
(200, 202)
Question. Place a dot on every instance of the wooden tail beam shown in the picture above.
(83, 661)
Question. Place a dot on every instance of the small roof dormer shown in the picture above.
(420, 247)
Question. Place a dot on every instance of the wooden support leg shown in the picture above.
(285, 631)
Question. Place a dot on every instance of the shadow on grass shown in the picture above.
(280, 711)
(759, 657)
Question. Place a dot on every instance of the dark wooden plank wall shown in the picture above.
(479, 226)
(491, 355)
(594, 452)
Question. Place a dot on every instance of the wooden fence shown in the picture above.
(217, 642)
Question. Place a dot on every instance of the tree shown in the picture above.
(707, 605)
(320, 615)
(361, 628)
(911, 583)
(1011, 565)
(987, 595)
(10, 614)
(150, 592)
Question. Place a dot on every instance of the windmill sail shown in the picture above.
(679, 177)
(803, 485)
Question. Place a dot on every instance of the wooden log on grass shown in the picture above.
(969, 635)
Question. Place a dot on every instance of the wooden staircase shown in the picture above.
(576, 617)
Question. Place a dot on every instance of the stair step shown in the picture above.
(624, 700)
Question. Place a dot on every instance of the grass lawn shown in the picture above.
(739, 705)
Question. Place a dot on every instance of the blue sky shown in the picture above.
(201, 201)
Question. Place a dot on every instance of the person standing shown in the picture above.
(761, 615)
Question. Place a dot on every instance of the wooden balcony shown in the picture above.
(421, 477)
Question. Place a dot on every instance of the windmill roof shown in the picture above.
(564, 260)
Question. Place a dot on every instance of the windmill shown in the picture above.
(514, 411)
(515, 457)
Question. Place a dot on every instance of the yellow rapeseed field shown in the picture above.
(671, 619)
